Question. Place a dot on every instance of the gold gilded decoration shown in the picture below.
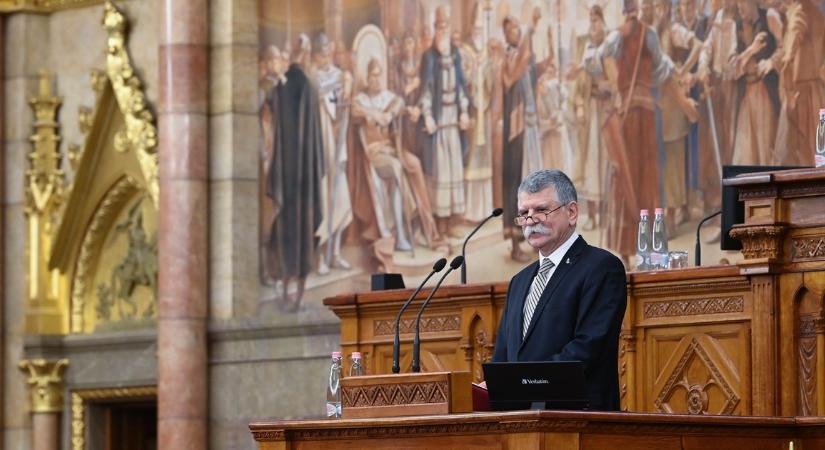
(43, 6)
(104, 244)
(138, 268)
(45, 380)
(81, 397)
(759, 241)
(45, 197)
(140, 134)
(114, 200)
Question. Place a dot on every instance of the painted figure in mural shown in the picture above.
(602, 146)
(521, 152)
(719, 86)
(495, 48)
(294, 174)
(334, 94)
(700, 144)
(409, 84)
(646, 13)
(271, 67)
(444, 106)
(758, 88)
(801, 65)
(556, 121)
(478, 173)
(675, 40)
(556, 124)
(642, 67)
(390, 176)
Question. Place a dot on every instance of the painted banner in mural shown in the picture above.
(391, 128)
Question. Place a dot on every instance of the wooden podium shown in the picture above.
(746, 339)
(557, 430)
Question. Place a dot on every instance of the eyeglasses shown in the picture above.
(537, 217)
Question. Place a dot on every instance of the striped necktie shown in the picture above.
(539, 282)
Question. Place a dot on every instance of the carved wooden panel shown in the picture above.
(431, 324)
(697, 370)
(693, 306)
(395, 394)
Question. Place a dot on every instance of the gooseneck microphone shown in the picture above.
(496, 212)
(396, 344)
(416, 358)
(697, 258)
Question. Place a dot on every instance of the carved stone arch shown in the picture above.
(105, 237)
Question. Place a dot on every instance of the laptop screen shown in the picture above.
(523, 385)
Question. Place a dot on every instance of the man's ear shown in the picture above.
(573, 213)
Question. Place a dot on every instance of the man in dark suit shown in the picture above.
(568, 305)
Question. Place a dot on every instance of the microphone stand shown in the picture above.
(416, 358)
(396, 344)
(697, 257)
(496, 212)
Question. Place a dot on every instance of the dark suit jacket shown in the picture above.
(578, 318)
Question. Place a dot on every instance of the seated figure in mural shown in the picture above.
(391, 176)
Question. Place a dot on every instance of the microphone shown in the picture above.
(396, 344)
(496, 212)
(416, 358)
(697, 258)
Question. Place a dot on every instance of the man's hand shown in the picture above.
(429, 124)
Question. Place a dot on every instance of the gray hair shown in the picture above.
(544, 178)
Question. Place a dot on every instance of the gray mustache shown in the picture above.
(537, 228)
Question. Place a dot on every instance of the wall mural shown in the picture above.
(390, 128)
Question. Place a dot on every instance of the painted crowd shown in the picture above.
(396, 141)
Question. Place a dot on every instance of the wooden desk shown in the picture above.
(558, 430)
(746, 339)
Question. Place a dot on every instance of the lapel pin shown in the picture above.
(568, 260)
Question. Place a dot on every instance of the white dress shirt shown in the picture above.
(557, 255)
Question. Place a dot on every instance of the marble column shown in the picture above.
(182, 234)
(46, 384)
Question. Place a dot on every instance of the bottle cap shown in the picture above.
(356, 355)
(822, 110)
(660, 210)
(644, 212)
(336, 354)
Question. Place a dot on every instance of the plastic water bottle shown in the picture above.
(643, 242)
(334, 387)
(819, 158)
(356, 369)
(659, 254)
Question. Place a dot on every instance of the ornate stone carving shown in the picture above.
(760, 241)
(808, 247)
(117, 195)
(45, 380)
(45, 198)
(43, 6)
(139, 267)
(394, 394)
(431, 324)
(692, 307)
(696, 390)
(140, 133)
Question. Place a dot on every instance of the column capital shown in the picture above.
(46, 382)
